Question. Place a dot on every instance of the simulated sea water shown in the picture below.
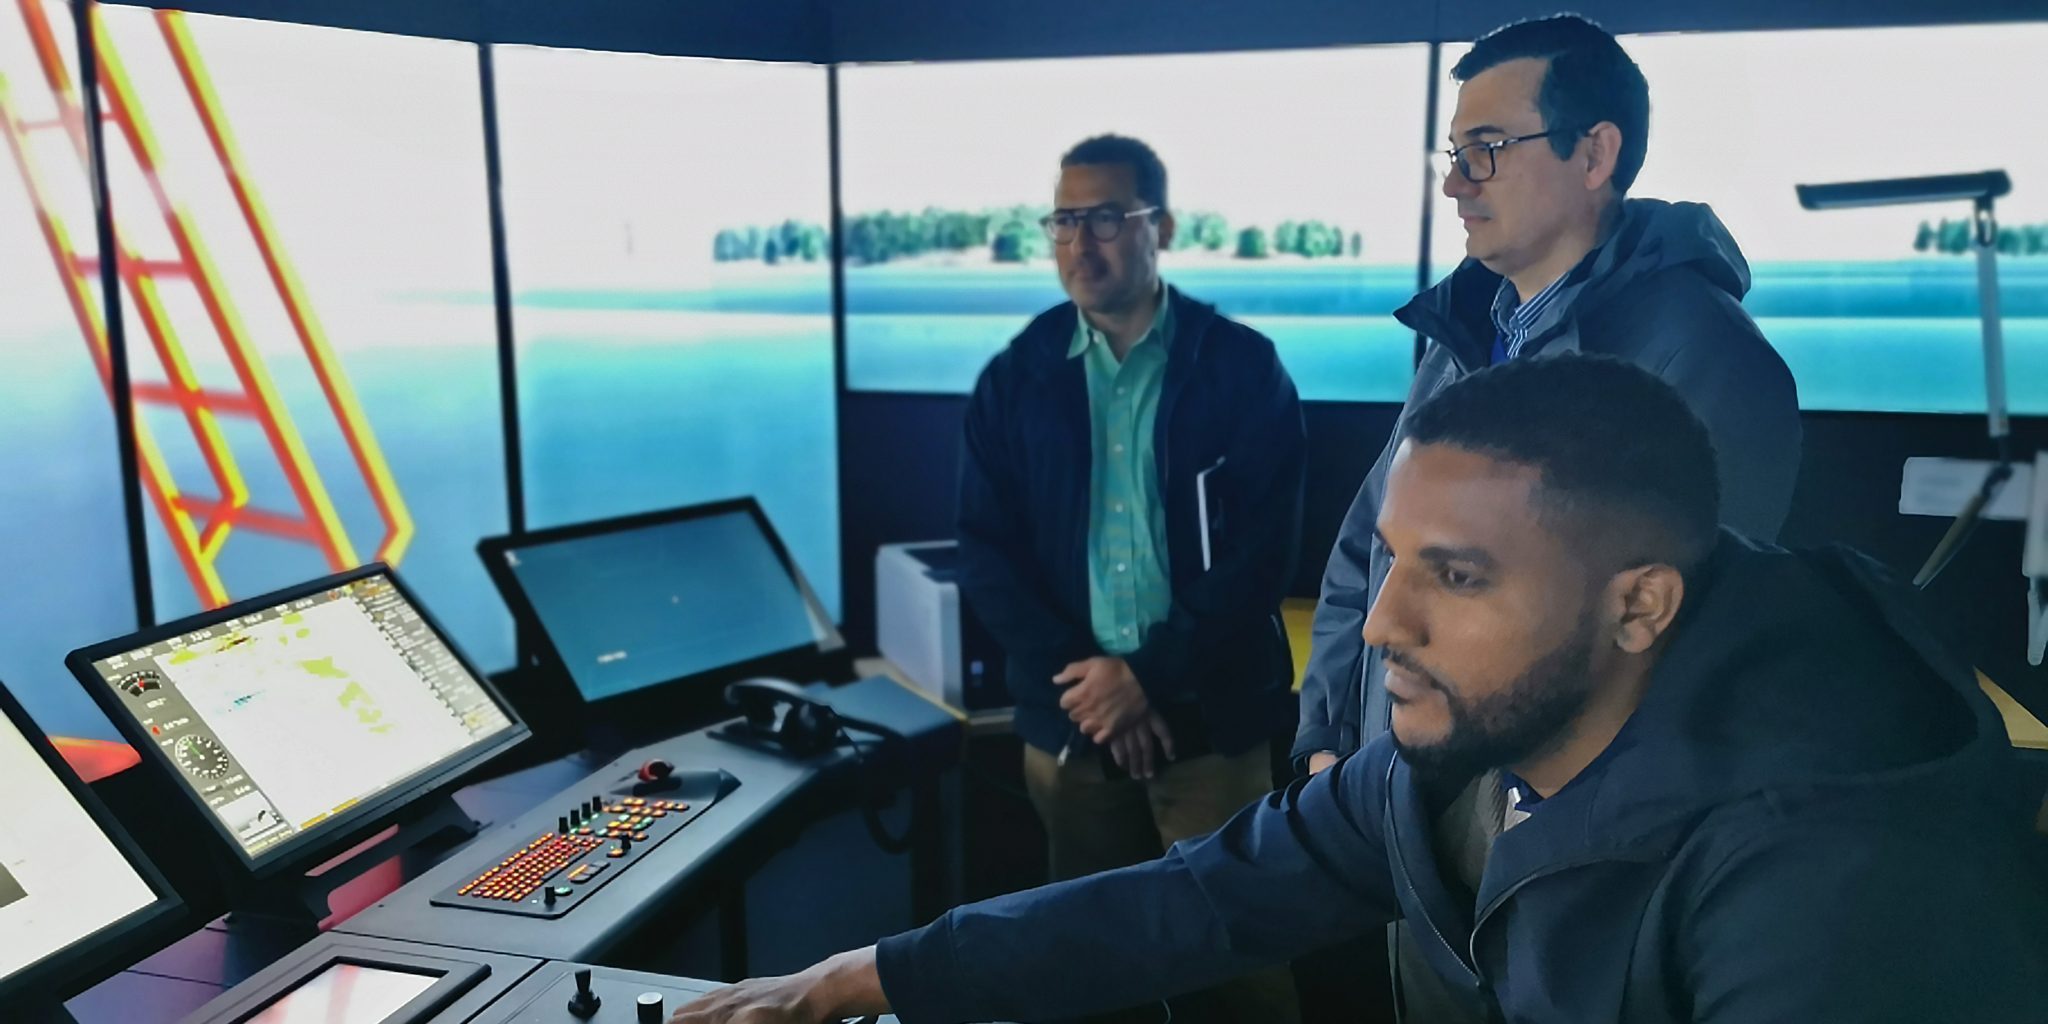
(639, 399)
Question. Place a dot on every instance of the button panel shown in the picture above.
(551, 874)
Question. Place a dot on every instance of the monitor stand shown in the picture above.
(299, 903)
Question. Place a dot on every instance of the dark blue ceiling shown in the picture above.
(896, 30)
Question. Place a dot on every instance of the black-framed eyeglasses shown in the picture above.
(1477, 170)
(1104, 222)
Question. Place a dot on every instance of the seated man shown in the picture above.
(1720, 782)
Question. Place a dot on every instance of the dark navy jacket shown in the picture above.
(1219, 666)
(1815, 818)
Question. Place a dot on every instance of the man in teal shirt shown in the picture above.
(1130, 510)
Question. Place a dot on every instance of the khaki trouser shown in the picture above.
(1095, 822)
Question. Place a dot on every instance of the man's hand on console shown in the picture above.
(844, 986)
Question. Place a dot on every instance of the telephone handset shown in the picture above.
(780, 715)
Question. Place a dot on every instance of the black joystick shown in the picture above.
(649, 1007)
(585, 1003)
(562, 825)
(576, 817)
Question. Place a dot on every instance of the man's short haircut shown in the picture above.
(1591, 79)
(1122, 149)
(1628, 472)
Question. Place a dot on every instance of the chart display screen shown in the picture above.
(282, 720)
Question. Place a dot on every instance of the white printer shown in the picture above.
(923, 627)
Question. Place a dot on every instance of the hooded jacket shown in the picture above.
(1811, 816)
(1664, 292)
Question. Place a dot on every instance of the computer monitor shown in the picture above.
(78, 901)
(301, 721)
(694, 594)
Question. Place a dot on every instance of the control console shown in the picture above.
(570, 993)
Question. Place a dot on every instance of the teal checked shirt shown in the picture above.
(1128, 586)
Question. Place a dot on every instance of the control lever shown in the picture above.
(650, 1008)
(585, 1003)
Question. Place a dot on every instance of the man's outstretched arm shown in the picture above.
(1301, 869)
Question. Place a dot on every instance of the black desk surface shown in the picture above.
(391, 902)
(767, 784)
(508, 990)
(542, 997)
(171, 985)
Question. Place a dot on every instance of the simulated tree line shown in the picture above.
(1011, 235)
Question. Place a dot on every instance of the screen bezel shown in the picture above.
(71, 969)
(453, 978)
(796, 660)
(341, 831)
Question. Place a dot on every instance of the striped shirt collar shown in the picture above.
(1515, 318)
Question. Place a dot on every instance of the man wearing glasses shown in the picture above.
(1550, 130)
(1130, 510)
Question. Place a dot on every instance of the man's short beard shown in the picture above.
(1515, 724)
